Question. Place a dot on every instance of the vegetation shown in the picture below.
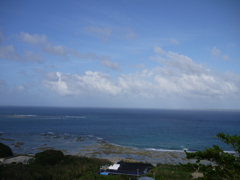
(58, 166)
(223, 165)
(49, 157)
(5, 151)
(169, 172)
(64, 168)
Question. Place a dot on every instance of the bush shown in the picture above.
(49, 157)
(5, 151)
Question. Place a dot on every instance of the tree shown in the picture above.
(223, 165)
(48, 157)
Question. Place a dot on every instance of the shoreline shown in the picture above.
(92, 147)
(100, 149)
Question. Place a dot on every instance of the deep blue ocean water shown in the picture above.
(151, 129)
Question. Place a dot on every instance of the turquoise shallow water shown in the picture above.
(30, 129)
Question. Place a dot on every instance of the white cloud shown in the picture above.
(111, 65)
(139, 66)
(159, 50)
(174, 41)
(55, 50)
(215, 51)
(171, 59)
(89, 83)
(46, 46)
(9, 53)
(33, 39)
(147, 84)
(182, 62)
(138, 85)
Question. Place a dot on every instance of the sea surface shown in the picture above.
(82, 131)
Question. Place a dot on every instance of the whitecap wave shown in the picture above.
(76, 117)
(164, 150)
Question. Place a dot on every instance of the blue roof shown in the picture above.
(104, 173)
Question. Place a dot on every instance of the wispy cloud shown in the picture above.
(2, 82)
(102, 33)
(174, 41)
(42, 44)
(1, 37)
(111, 65)
(139, 66)
(159, 50)
(34, 57)
(56, 50)
(232, 45)
(105, 33)
(130, 34)
(225, 57)
(33, 39)
(171, 59)
(215, 52)
(9, 53)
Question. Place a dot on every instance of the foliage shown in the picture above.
(49, 157)
(5, 151)
(223, 165)
(169, 172)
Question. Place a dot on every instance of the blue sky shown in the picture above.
(120, 53)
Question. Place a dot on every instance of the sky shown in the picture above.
(120, 53)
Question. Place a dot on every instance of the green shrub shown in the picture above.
(5, 151)
(49, 157)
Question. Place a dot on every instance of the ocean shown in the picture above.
(104, 132)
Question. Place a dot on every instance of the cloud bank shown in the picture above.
(176, 76)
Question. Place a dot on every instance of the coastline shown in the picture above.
(116, 153)
(112, 152)
(89, 146)
(92, 147)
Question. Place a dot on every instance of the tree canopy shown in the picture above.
(223, 165)
(5, 151)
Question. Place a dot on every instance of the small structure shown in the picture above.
(130, 169)
(16, 159)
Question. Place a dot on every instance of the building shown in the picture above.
(130, 169)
